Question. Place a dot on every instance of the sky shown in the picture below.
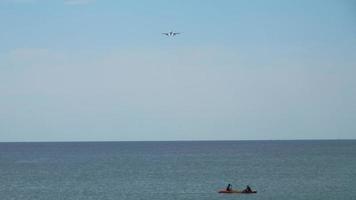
(90, 70)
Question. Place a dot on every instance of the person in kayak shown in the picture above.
(247, 190)
(229, 187)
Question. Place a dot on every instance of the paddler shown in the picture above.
(247, 190)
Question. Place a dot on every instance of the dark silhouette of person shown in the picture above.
(247, 190)
(229, 187)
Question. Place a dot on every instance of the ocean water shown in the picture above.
(278, 170)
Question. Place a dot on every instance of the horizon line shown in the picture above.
(103, 141)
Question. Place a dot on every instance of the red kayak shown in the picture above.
(236, 192)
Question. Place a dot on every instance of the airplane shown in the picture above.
(171, 33)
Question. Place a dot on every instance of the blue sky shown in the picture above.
(102, 70)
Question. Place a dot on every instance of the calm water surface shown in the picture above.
(278, 170)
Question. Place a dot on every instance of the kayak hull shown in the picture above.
(236, 192)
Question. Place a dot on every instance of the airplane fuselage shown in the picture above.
(171, 33)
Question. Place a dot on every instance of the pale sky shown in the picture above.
(84, 70)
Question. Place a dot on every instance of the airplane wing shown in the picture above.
(175, 34)
(167, 34)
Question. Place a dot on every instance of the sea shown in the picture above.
(277, 170)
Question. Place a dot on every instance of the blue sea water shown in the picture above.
(278, 170)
